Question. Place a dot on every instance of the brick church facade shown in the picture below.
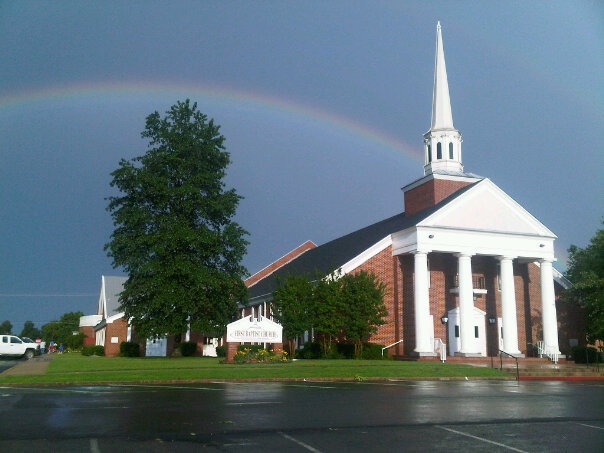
(465, 265)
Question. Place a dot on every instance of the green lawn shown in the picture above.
(77, 369)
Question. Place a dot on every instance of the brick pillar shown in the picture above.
(277, 347)
(231, 350)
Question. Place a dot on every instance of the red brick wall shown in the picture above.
(406, 267)
(89, 335)
(119, 329)
(385, 267)
(430, 193)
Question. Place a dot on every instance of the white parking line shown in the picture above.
(252, 403)
(590, 426)
(299, 442)
(94, 446)
(311, 386)
(482, 439)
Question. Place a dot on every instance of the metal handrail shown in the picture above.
(441, 349)
(390, 345)
(542, 350)
(501, 352)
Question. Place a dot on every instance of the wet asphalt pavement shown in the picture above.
(5, 364)
(306, 416)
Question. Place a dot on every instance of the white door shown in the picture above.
(156, 347)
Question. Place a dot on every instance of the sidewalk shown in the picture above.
(37, 365)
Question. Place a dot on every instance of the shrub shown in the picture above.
(129, 349)
(373, 351)
(221, 351)
(344, 350)
(187, 348)
(584, 354)
(311, 350)
(93, 350)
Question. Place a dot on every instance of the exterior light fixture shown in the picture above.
(431, 236)
(541, 245)
(444, 319)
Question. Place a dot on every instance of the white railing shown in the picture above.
(390, 345)
(542, 351)
(441, 349)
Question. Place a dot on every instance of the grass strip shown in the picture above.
(76, 369)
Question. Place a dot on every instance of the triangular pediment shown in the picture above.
(485, 207)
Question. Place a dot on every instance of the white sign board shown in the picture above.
(255, 330)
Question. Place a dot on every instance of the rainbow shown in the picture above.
(222, 95)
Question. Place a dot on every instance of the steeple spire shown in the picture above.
(441, 103)
(442, 143)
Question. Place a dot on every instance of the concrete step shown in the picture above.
(559, 371)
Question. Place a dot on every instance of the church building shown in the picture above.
(465, 265)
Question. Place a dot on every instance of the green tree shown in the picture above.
(174, 234)
(65, 330)
(31, 331)
(6, 327)
(291, 305)
(586, 274)
(363, 296)
(328, 311)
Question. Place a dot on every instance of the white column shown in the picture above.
(423, 340)
(466, 305)
(508, 307)
(548, 309)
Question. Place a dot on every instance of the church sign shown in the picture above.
(254, 330)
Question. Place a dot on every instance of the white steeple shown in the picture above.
(442, 143)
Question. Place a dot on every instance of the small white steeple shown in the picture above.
(442, 143)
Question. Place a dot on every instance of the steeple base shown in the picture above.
(433, 188)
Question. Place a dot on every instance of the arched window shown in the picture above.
(439, 151)
(450, 150)
(429, 153)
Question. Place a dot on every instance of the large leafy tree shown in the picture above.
(292, 302)
(586, 274)
(174, 231)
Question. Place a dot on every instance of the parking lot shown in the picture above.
(306, 416)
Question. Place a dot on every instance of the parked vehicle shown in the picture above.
(31, 343)
(12, 346)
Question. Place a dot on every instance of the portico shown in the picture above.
(443, 233)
